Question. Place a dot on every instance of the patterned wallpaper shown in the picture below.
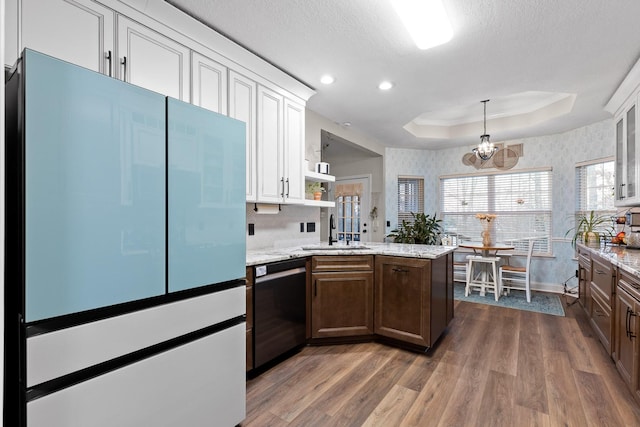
(559, 151)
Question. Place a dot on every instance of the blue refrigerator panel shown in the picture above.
(94, 189)
(206, 197)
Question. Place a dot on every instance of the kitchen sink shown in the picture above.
(340, 247)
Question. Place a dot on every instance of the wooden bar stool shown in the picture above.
(482, 274)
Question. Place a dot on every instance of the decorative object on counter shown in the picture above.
(633, 239)
(485, 149)
(322, 167)
(541, 302)
(425, 229)
(315, 190)
(590, 227)
(488, 228)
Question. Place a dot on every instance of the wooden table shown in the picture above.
(486, 251)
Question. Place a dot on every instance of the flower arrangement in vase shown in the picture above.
(487, 220)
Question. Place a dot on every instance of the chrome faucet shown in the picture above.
(332, 226)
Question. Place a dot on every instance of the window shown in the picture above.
(410, 197)
(595, 188)
(521, 201)
(349, 204)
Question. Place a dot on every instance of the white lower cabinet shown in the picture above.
(152, 61)
(201, 383)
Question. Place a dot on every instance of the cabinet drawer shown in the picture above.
(602, 278)
(342, 263)
(584, 259)
(601, 320)
(630, 284)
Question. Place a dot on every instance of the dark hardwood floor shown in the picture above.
(493, 367)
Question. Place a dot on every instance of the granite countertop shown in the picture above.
(621, 256)
(264, 256)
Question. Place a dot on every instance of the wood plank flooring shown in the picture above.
(493, 367)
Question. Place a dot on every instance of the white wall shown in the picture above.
(560, 151)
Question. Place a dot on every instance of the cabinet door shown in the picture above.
(242, 106)
(209, 83)
(206, 204)
(271, 185)
(601, 321)
(95, 189)
(631, 157)
(625, 335)
(342, 304)
(620, 163)
(403, 295)
(294, 152)
(76, 31)
(151, 60)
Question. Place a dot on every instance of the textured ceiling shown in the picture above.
(500, 50)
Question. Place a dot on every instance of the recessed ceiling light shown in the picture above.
(426, 21)
(327, 79)
(385, 85)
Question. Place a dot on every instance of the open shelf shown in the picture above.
(319, 203)
(318, 177)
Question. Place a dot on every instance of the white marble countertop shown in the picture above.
(620, 256)
(264, 256)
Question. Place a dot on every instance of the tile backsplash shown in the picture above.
(282, 229)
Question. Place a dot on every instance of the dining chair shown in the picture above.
(518, 277)
(482, 274)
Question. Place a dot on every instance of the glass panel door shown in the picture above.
(352, 206)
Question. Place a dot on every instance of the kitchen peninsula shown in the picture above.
(399, 294)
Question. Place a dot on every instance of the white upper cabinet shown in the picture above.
(151, 60)
(153, 45)
(242, 106)
(271, 182)
(208, 83)
(80, 31)
(625, 106)
(294, 151)
(280, 146)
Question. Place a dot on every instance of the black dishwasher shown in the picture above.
(279, 309)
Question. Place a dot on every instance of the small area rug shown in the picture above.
(540, 302)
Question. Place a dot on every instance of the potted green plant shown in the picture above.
(589, 228)
(425, 230)
(314, 190)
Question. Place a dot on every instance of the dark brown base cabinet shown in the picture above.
(584, 276)
(341, 296)
(602, 295)
(412, 295)
(627, 351)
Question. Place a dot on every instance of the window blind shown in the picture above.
(595, 189)
(410, 197)
(521, 200)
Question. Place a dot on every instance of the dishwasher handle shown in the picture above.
(280, 274)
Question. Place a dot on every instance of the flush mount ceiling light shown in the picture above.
(485, 149)
(426, 21)
(385, 85)
(327, 79)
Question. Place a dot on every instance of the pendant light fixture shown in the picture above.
(485, 149)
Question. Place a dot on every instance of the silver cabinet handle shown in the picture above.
(108, 57)
(282, 182)
(287, 188)
(124, 68)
